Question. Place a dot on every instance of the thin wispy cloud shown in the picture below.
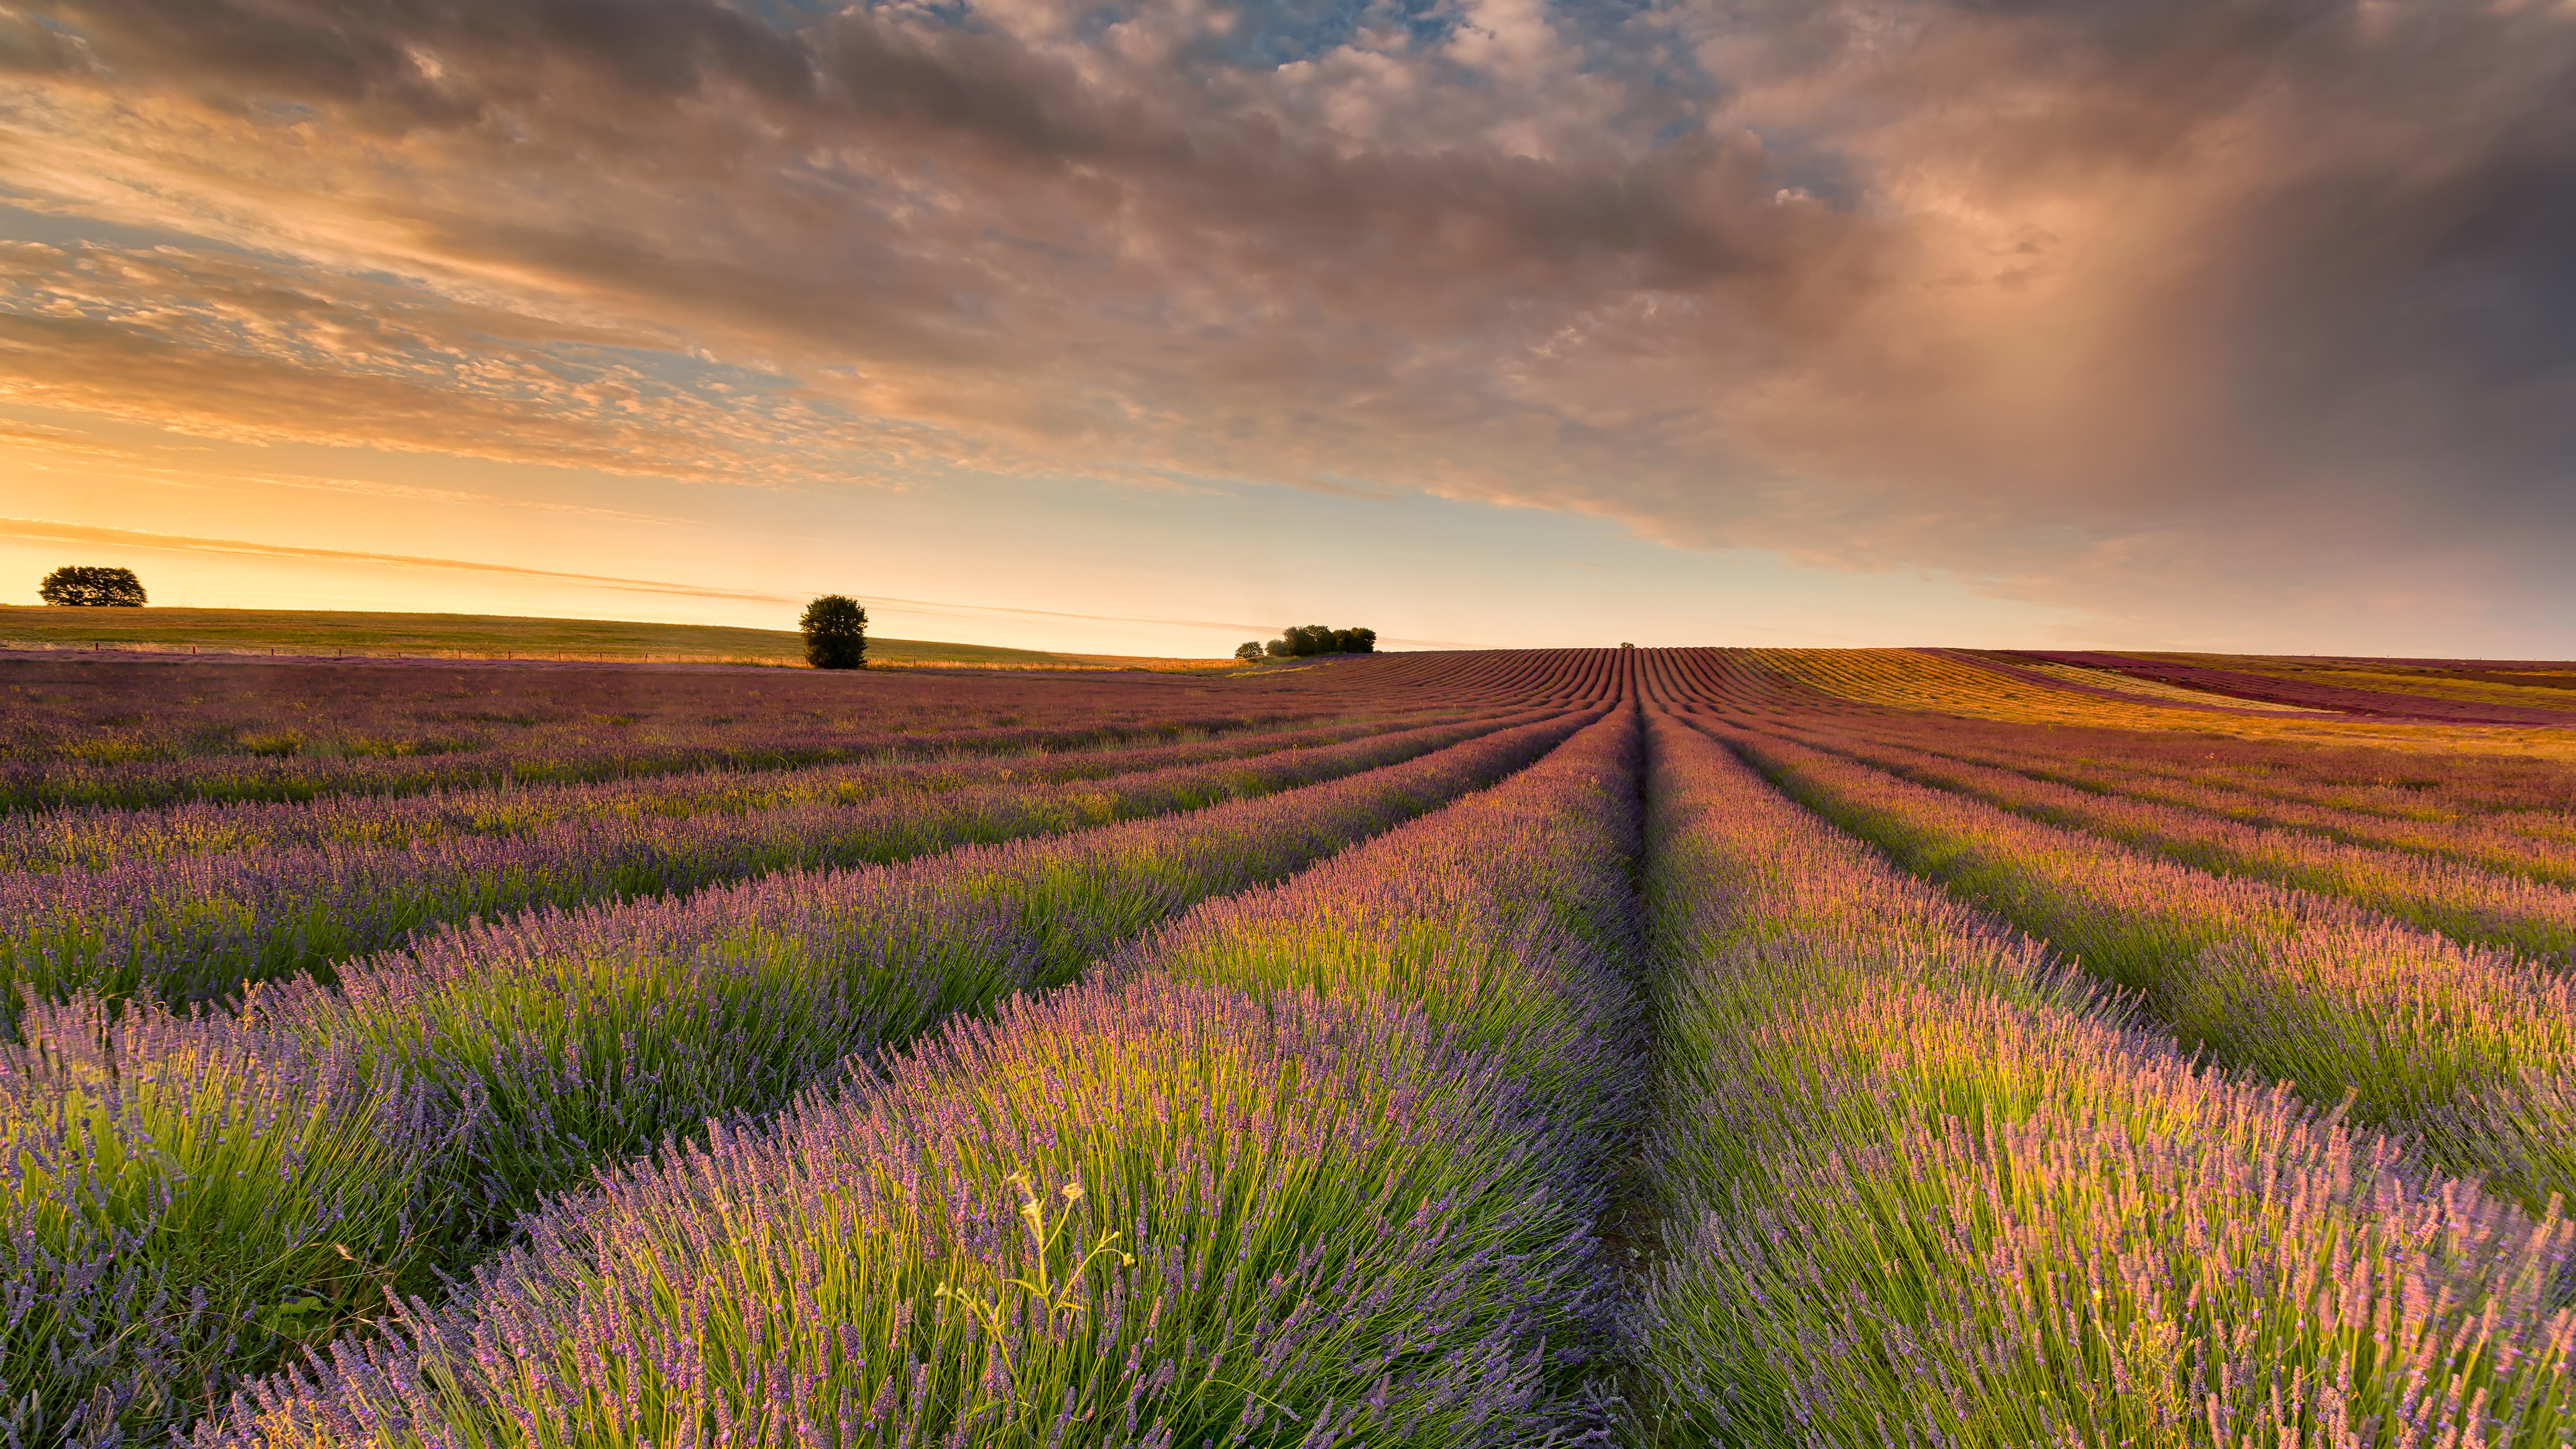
(46, 530)
(377, 488)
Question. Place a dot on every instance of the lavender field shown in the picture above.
(1582, 1047)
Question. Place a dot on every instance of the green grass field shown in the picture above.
(325, 632)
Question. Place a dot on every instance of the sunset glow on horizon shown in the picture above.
(1151, 327)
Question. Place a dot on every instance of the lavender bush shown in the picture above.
(1344, 1205)
(1508, 916)
(541, 1048)
(100, 838)
(2458, 899)
(2472, 1050)
(2537, 843)
(181, 1193)
(1924, 1189)
(198, 927)
(1155, 1215)
(148, 734)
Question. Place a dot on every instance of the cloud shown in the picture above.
(376, 488)
(48, 530)
(36, 440)
(254, 350)
(2185, 315)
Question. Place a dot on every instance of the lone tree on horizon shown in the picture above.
(836, 633)
(91, 586)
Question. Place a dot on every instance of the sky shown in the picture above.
(1150, 326)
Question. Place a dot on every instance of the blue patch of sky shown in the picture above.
(1263, 37)
(787, 14)
(1045, 249)
(1810, 163)
(1268, 36)
(674, 369)
(1616, 36)
(50, 228)
(273, 112)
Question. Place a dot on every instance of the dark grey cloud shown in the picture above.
(2187, 314)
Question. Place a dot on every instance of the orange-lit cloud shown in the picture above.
(2173, 313)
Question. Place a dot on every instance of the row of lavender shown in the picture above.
(196, 927)
(34, 781)
(192, 1196)
(99, 838)
(1531, 676)
(2472, 1051)
(2510, 788)
(1919, 1187)
(2430, 819)
(2442, 781)
(2475, 880)
(2391, 783)
(1315, 1165)
(138, 735)
(2418, 834)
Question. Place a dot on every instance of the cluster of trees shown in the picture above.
(89, 586)
(1299, 643)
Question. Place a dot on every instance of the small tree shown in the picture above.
(1248, 650)
(92, 587)
(836, 633)
(1355, 641)
(1279, 648)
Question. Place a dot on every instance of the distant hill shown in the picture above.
(325, 632)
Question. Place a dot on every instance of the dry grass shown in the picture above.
(308, 632)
